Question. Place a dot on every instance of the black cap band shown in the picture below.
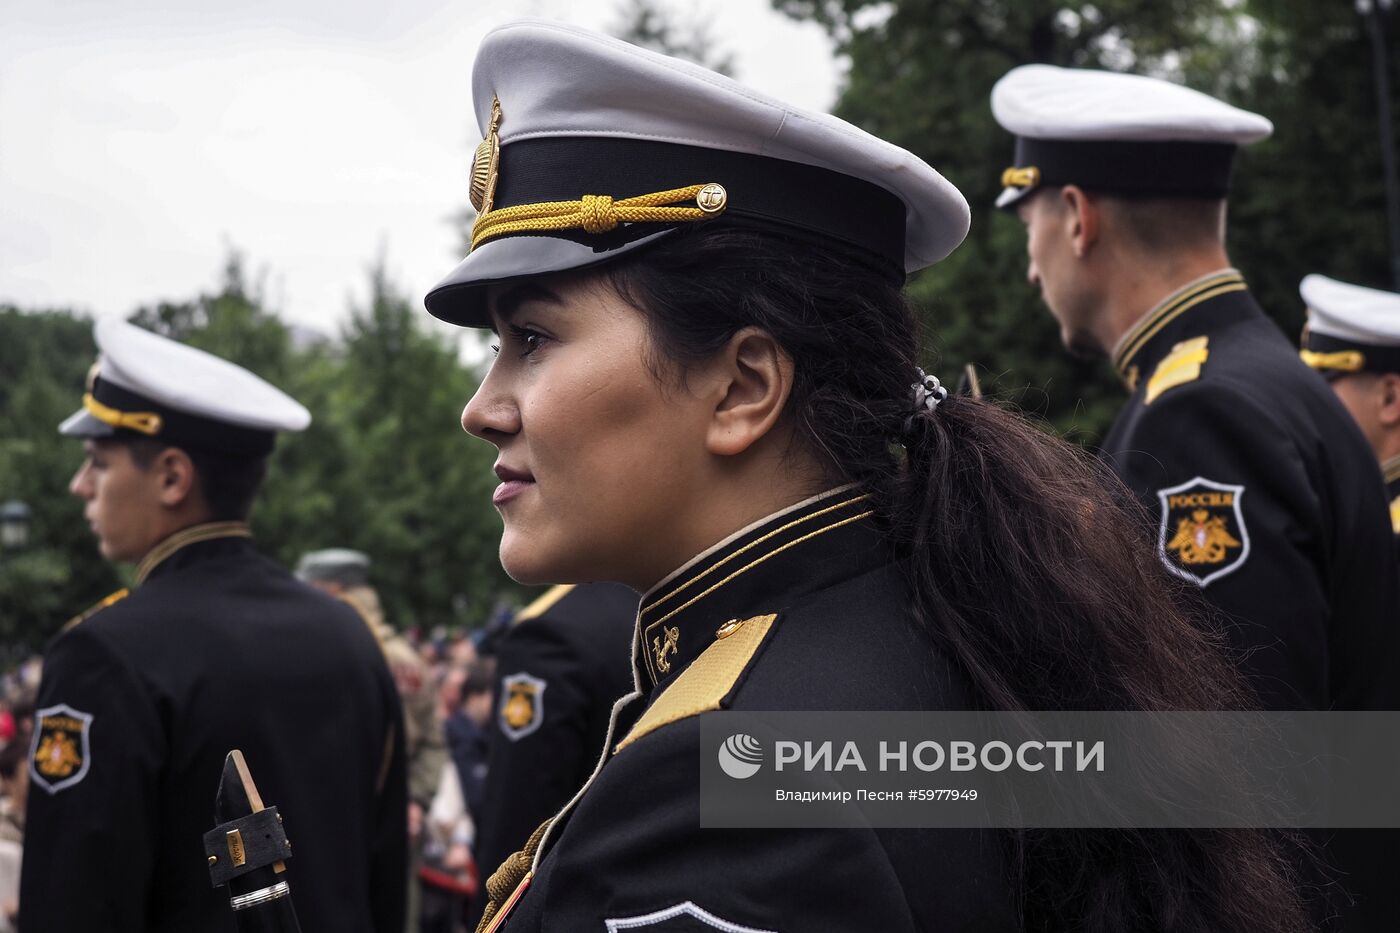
(181, 429)
(1143, 169)
(802, 198)
(1337, 361)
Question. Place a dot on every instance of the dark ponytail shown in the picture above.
(1029, 564)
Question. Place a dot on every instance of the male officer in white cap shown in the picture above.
(1353, 339)
(1264, 494)
(214, 648)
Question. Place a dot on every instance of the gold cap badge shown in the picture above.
(486, 163)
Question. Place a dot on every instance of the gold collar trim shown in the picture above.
(184, 538)
(1391, 469)
(648, 604)
(1171, 308)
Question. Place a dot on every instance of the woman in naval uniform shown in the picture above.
(707, 386)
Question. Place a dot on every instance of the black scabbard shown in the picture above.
(247, 851)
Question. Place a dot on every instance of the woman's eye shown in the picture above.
(530, 340)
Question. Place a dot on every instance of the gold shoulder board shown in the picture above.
(542, 605)
(101, 604)
(1181, 366)
(702, 685)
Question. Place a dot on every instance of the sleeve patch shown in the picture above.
(61, 753)
(1202, 535)
(522, 705)
(682, 918)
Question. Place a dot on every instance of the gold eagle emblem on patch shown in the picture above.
(1203, 535)
(60, 755)
(522, 705)
(1202, 539)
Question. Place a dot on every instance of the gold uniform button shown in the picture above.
(712, 198)
(728, 628)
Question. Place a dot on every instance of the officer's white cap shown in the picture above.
(1351, 312)
(1046, 103)
(146, 384)
(340, 564)
(582, 113)
(1351, 328)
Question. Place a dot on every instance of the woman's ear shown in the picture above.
(175, 475)
(753, 382)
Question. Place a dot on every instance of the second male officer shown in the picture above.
(1264, 494)
(1353, 339)
(215, 648)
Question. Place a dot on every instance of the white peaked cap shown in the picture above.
(584, 114)
(160, 387)
(1046, 102)
(1351, 312)
(1120, 133)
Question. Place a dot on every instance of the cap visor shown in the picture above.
(82, 424)
(461, 297)
(1009, 196)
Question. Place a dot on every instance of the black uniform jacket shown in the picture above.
(1265, 494)
(218, 648)
(630, 854)
(561, 666)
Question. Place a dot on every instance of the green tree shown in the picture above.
(44, 357)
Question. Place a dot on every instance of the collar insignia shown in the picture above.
(663, 648)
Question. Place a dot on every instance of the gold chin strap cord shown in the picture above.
(1027, 177)
(146, 422)
(599, 213)
(1346, 361)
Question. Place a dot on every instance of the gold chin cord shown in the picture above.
(145, 422)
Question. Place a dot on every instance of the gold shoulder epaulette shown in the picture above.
(1181, 366)
(545, 603)
(701, 686)
(103, 603)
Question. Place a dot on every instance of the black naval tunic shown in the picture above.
(217, 648)
(561, 666)
(1265, 494)
(630, 854)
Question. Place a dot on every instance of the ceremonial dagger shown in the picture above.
(247, 851)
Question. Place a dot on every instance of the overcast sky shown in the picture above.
(140, 139)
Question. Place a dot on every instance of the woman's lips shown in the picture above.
(513, 483)
(509, 490)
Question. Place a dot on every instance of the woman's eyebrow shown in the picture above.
(510, 300)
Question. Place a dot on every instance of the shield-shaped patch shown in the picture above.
(1203, 535)
(60, 755)
(682, 918)
(522, 705)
